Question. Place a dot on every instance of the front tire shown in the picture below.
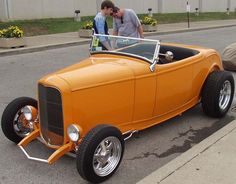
(218, 93)
(100, 153)
(14, 125)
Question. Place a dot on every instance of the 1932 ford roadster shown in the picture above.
(90, 107)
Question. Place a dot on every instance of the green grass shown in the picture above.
(182, 17)
(51, 26)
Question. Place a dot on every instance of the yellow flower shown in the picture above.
(149, 21)
(11, 32)
(87, 25)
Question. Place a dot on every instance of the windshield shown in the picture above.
(142, 48)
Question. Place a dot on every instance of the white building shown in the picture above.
(37, 9)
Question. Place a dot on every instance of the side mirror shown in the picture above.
(152, 66)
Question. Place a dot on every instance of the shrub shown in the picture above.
(11, 32)
(87, 25)
(149, 21)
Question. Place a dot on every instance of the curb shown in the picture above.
(187, 30)
(167, 170)
(42, 48)
(86, 41)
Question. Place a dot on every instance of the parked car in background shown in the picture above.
(229, 57)
(93, 106)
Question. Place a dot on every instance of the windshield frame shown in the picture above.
(155, 55)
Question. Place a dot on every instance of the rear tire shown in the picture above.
(100, 153)
(9, 114)
(218, 93)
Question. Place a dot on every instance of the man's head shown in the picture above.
(107, 7)
(117, 13)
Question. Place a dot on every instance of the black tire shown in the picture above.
(86, 151)
(212, 92)
(9, 114)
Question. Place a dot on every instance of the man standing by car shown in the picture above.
(100, 25)
(126, 23)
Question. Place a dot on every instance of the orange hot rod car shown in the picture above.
(126, 85)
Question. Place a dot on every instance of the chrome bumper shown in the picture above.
(54, 157)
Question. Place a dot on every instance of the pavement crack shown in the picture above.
(145, 155)
(194, 156)
(183, 134)
(195, 137)
(177, 169)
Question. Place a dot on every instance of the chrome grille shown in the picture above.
(51, 115)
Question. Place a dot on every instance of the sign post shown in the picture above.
(188, 9)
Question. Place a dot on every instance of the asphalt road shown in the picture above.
(145, 152)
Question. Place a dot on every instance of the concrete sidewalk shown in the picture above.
(212, 161)
(44, 42)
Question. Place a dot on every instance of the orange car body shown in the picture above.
(122, 91)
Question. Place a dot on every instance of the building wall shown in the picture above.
(25, 9)
(214, 5)
(87, 7)
(3, 13)
(140, 6)
(233, 5)
(56, 8)
(37, 9)
(179, 6)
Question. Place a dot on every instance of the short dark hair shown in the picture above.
(116, 9)
(108, 4)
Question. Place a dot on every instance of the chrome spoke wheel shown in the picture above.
(107, 156)
(225, 95)
(21, 126)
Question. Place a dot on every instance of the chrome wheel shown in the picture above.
(107, 156)
(100, 153)
(14, 122)
(225, 95)
(22, 127)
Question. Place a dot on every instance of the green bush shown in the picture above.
(149, 21)
(11, 32)
(87, 25)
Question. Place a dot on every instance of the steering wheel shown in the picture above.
(162, 60)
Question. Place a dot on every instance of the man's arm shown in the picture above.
(107, 45)
(100, 23)
(140, 31)
(115, 29)
(115, 33)
(137, 23)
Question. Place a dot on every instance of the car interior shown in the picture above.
(147, 50)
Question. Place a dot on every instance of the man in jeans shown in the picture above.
(126, 23)
(100, 24)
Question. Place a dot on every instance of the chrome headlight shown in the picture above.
(73, 133)
(27, 111)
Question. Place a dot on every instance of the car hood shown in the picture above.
(100, 70)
